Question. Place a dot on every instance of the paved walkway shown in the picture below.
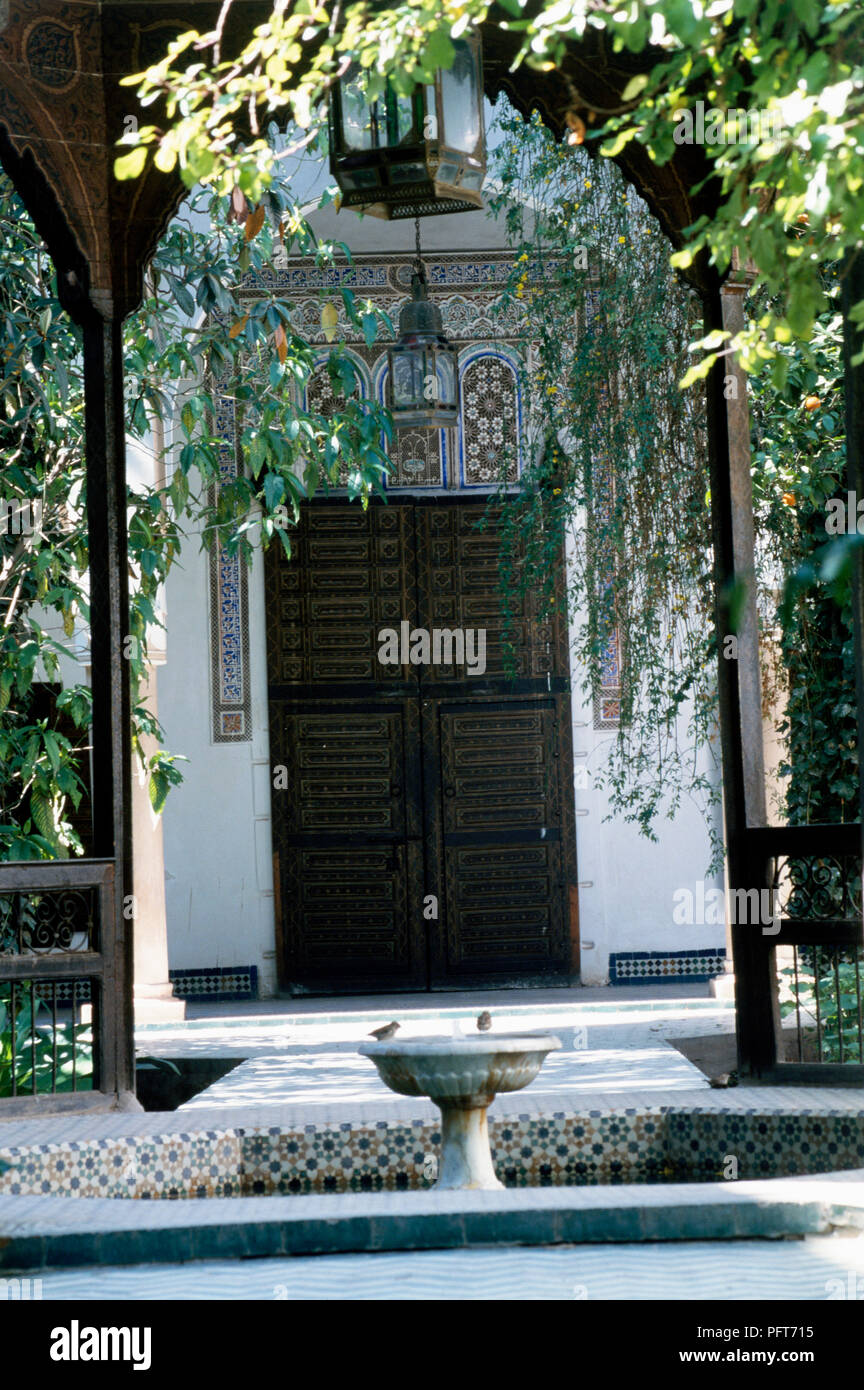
(610, 1046)
(814, 1269)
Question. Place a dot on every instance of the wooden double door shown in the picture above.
(422, 815)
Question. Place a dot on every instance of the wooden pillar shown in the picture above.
(743, 544)
(111, 733)
(756, 1011)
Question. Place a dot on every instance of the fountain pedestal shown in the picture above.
(466, 1158)
(462, 1076)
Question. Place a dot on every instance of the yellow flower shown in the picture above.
(587, 183)
(622, 240)
(556, 492)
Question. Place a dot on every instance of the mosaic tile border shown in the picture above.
(216, 984)
(562, 1148)
(228, 604)
(657, 967)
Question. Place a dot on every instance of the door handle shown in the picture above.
(449, 791)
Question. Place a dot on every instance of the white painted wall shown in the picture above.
(218, 866)
(627, 883)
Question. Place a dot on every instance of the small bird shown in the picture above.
(725, 1078)
(484, 1021)
(388, 1031)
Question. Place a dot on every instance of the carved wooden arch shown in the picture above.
(61, 112)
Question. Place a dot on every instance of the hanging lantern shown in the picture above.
(423, 380)
(411, 156)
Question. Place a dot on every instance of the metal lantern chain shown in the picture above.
(423, 376)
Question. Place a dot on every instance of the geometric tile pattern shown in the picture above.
(606, 683)
(202, 1164)
(468, 289)
(217, 983)
(653, 967)
(647, 1144)
(64, 991)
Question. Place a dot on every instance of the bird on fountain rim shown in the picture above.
(388, 1031)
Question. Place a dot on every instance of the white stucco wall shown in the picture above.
(627, 883)
(218, 864)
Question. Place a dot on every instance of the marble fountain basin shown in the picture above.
(462, 1076)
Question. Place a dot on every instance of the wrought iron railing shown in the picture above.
(815, 944)
(56, 1036)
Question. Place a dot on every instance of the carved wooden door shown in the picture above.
(421, 820)
(497, 766)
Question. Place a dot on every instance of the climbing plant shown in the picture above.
(807, 638)
(618, 465)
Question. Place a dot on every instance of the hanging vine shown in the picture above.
(618, 464)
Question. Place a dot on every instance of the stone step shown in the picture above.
(58, 1232)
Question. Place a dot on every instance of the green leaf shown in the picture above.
(158, 789)
(182, 295)
(636, 85)
(274, 490)
(129, 166)
(41, 811)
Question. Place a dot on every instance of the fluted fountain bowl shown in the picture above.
(462, 1075)
(467, 1071)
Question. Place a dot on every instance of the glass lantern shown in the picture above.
(411, 156)
(423, 379)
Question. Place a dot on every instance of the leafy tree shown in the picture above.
(194, 328)
(807, 639)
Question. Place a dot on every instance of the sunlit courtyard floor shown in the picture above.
(610, 1046)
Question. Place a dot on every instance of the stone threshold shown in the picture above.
(58, 1232)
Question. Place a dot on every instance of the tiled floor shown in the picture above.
(813, 1269)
